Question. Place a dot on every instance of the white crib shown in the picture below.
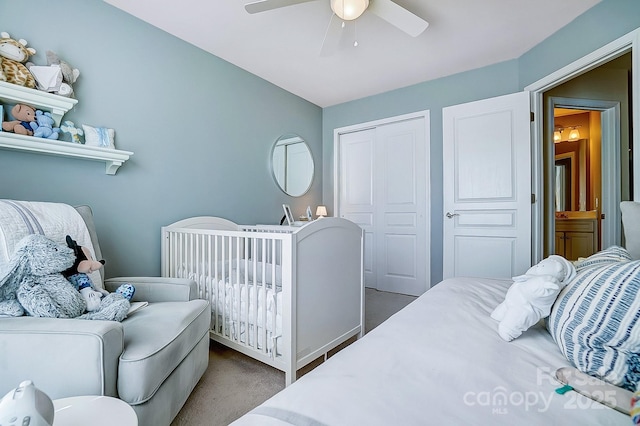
(282, 295)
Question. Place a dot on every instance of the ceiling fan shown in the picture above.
(350, 10)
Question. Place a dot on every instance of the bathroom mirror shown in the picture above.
(292, 164)
(571, 175)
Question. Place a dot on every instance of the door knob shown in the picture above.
(450, 215)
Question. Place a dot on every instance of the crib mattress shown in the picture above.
(438, 361)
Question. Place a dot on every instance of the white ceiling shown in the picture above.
(283, 45)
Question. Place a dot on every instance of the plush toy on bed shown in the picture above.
(78, 275)
(531, 296)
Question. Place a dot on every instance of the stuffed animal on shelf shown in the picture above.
(43, 126)
(69, 74)
(78, 275)
(34, 282)
(70, 128)
(13, 55)
(531, 296)
(23, 116)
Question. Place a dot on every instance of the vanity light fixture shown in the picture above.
(348, 10)
(557, 136)
(574, 134)
(321, 211)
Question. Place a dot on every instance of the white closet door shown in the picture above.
(487, 187)
(383, 188)
(355, 185)
(400, 207)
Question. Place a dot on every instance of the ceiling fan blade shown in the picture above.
(264, 5)
(398, 16)
(332, 37)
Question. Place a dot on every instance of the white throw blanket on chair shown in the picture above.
(55, 220)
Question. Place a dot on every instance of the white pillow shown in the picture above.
(99, 136)
(596, 318)
(631, 225)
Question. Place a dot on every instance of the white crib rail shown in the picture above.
(241, 274)
(317, 270)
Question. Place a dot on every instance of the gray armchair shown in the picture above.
(152, 360)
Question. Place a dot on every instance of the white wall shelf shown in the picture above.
(57, 106)
(113, 158)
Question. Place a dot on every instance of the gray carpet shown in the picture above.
(234, 384)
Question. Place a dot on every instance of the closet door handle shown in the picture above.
(450, 215)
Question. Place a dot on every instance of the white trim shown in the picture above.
(612, 50)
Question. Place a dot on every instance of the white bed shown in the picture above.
(440, 361)
(282, 295)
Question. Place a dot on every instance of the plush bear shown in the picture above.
(69, 74)
(13, 55)
(43, 126)
(23, 116)
(531, 296)
(78, 275)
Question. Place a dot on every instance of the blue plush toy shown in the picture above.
(43, 126)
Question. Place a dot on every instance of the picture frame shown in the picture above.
(288, 214)
(309, 214)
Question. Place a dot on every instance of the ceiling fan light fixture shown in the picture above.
(349, 10)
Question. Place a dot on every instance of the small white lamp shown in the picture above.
(321, 211)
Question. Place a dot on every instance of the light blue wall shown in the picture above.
(598, 26)
(200, 128)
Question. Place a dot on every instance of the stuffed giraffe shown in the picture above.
(13, 54)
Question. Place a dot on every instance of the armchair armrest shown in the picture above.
(157, 289)
(63, 357)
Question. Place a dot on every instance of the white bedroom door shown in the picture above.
(383, 187)
(487, 187)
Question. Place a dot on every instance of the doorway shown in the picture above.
(543, 217)
(586, 158)
(589, 115)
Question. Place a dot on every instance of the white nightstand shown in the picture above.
(93, 410)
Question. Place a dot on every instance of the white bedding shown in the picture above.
(439, 361)
(235, 296)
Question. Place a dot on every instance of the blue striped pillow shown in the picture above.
(596, 318)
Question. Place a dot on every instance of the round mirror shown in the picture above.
(292, 164)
